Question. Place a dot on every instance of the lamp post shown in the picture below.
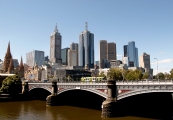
(157, 68)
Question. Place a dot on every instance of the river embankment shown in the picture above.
(4, 97)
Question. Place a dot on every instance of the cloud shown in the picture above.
(163, 61)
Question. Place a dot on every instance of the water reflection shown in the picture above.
(37, 110)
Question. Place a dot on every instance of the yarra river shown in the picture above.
(37, 110)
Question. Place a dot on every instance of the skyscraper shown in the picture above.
(131, 52)
(33, 57)
(107, 53)
(74, 46)
(144, 60)
(112, 54)
(86, 49)
(55, 46)
(103, 52)
(64, 56)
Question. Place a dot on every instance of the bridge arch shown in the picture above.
(42, 87)
(137, 92)
(98, 92)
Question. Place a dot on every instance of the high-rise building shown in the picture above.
(112, 54)
(33, 57)
(131, 52)
(55, 47)
(144, 60)
(64, 56)
(86, 49)
(72, 57)
(125, 50)
(74, 46)
(103, 52)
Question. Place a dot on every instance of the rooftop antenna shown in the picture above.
(56, 29)
(86, 26)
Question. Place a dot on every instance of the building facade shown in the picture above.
(74, 46)
(72, 57)
(55, 46)
(144, 60)
(131, 52)
(35, 56)
(112, 55)
(64, 56)
(86, 49)
(103, 53)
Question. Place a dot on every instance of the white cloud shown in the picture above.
(163, 61)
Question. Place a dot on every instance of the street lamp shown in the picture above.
(157, 68)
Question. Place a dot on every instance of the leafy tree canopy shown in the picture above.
(12, 85)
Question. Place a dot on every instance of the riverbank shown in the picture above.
(4, 97)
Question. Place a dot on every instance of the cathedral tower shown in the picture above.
(7, 59)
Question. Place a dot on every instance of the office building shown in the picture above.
(64, 56)
(131, 52)
(55, 47)
(86, 49)
(74, 46)
(72, 57)
(33, 57)
(103, 53)
(112, 55)
(144, 60)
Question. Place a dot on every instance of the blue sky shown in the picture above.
(27, 24)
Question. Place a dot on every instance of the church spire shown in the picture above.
(21, 63)
(56, 28)
(8, 53)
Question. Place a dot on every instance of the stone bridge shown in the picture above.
(124, 89)
(111, 90)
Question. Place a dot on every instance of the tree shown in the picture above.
(11, 85)
(161, 76)
(145, 75)
(171, 74)
(115, 74)
(102, 75)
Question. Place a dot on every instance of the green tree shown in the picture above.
(11, 85)
(171, 74)
(161, 76)
(102, 75)
(137, 74)
(145, 75)
(115, 74)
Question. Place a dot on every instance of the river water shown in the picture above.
(37, 110)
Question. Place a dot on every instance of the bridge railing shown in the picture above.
(118, 82)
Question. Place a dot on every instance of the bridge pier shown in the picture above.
(110, 107)
(25, 88)
(51, 100)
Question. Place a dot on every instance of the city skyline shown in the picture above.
(148, 23)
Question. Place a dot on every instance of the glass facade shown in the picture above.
(35, 57)
(131, 52)
(86, 49)
(64, 56)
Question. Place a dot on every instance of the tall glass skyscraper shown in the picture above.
(86, 49)
(131, 52)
